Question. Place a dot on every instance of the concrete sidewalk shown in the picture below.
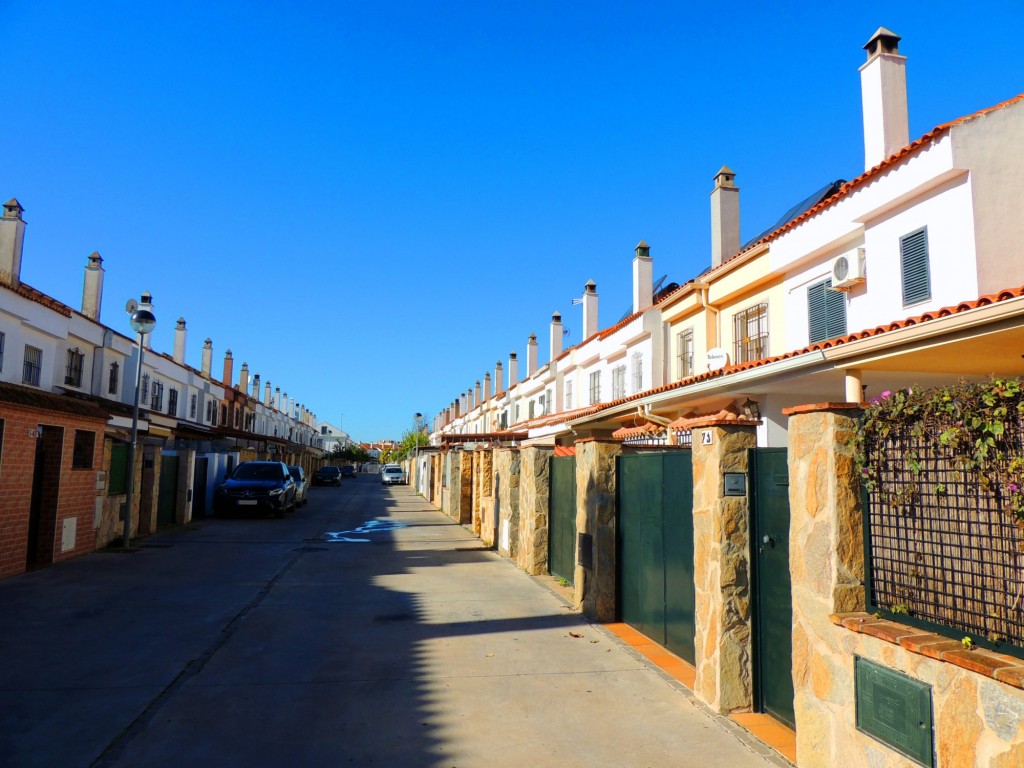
(368, 629)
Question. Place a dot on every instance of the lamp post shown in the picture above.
(143, 321)
(418, 419)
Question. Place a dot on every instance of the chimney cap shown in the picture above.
(13, 209)
(181, 323)
(590, 287)
(95, 259)
(533, 338)
(208, 342)
(643, 250)
(883, 41)
(725, 177)
(556, 317)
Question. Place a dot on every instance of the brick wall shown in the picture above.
(70, 493)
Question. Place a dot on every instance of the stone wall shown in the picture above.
(721, 566)
(506, 487)
(484, 521)
(978, 720)
(459, 495)
(596, 587)
(534, 508)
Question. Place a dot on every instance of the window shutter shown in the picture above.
(914, 267)
(826, 312)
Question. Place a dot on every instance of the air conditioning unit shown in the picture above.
(848, 269)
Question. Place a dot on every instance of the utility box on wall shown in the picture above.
(68, 533)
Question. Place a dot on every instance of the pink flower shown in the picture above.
(885, 394)
(1012, 487)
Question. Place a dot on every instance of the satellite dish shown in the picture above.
(131, 306)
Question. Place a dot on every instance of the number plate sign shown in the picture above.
(895, 709)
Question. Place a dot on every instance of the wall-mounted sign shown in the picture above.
(707, 437)
(717, 358)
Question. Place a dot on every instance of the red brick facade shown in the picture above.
(63, 493)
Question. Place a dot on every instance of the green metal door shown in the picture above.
(773, 599)
(168, 495)
(562, 519)
(655, 523)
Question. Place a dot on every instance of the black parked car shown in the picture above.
(264, 486)
(348, 471)
(328, 476)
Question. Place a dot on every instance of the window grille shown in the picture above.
(193, 405)
(595, 388)
(73, 370)
(618, 382)
(684, 354)
(172, 402)
(33, 366)
(82, 455)
(157, 401)
(113, 378)
(751, 334)
(914, 267)
(568, 395)
(144, 394)
(826, 312)
(638, 372)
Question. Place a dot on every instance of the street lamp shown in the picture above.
(143, 321)
(418, 418)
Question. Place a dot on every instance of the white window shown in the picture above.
(618, 382)
(750, 334)
(684, 354)
(638, 372)
(568, 394)
(595, 387)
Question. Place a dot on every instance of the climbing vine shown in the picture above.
(975, 428)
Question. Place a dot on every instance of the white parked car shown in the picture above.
(392, 474)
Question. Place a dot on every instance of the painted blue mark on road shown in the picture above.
(370, 526)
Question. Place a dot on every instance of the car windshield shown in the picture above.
(393, 470)
(257, 472)
(329, 470)
(295, 472)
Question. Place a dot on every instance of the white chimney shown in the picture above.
(207, 363)
(92, 290)
(229, 368)
(277, 398)
(531, 355)
(179, 341)
(499, 378)
(725, 217)
(557, 333)
(256, 387)
(589, 309)
(487, 386)
(267, 399)
(243, 379)
(883, 86)
(643, 278)
(12, 243)
(476, 394)
(513, 370)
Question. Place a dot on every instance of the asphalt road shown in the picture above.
(367, 629)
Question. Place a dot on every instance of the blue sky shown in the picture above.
(372, 203)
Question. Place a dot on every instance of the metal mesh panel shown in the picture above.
(942, 545)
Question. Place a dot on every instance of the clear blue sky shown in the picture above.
(372, 203)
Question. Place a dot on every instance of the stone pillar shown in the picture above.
(826, 564)
(595, 587)
(459, 487)
(506, 495)
(721, 565)
(484, 523)
(534, 500)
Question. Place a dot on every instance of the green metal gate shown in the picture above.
(562, 519)
(168, 496)
(773, 598)
(655, 522)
